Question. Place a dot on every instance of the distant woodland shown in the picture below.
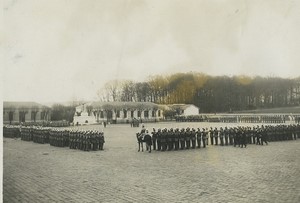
(210, 93)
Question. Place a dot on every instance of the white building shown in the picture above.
(185, 109)
(117, 112)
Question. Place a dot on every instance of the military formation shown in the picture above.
(11, 131)
(233, 118)
(86, 140)
(191, 138)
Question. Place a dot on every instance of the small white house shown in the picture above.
(185, 109)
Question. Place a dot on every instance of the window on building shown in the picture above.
(101, 114)
(146, 114)
(139, 114)
(125, 113)
(158, 113)
(132, 114)
(153, 113)
(118, 114)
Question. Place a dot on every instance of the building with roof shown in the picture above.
(117, 112)
(17, 112)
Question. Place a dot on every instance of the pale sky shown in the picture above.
(55, 50)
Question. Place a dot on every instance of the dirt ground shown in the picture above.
(42, 173)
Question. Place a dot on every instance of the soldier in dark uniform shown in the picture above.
(264, 136)
(159, 139)
(154, 137)
(243, 138)
(187, 138)
(163, 140)
(231, 135)
(193, 138)
(211, 134)
(176, 138)
(235, 137)
(101, 140)
(182, 139)
(222, 136)
(204, 137)
(198, 133)
(216, 132)
(170, 139)
(258, 135)
(226, 135)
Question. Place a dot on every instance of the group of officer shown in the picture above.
(175, 139)
(85, 140)
(11, 131)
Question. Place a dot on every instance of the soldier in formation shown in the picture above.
(40, 135)
(11, 131)
(241, 136)
(85, 140)
(26, 133)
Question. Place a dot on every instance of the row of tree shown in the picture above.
(209, 93)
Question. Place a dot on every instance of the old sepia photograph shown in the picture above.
(150, 101)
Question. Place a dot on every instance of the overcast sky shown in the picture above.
(56, 50)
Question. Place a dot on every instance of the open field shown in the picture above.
(42, 173)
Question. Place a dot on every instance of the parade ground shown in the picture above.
(42, 173)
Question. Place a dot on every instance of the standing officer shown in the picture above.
(231, 136)
(154, 137)
(193, 138)
(264, 136)
(243, 138)
(177, 136)
(187, 138)
(226, 133)
(204, 137)
(163, 140)
(170, 139)
(198, 138)
(159, 139)
(182, 139)
(101, 140)
(216, 132)
(211, 134)
(222, 136)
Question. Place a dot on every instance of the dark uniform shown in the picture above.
(211, 134)
(198, 138)
(216, 132)
(204, 137)
(182, 139)
(154, 138)
(177, 137)
(159, 139)
(193, 138)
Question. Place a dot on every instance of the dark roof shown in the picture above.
(27, 105)
(122, 105)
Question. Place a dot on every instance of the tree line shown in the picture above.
(210, 93)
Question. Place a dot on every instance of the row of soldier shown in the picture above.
(175, 139)
(11, 131)
(85, 140)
